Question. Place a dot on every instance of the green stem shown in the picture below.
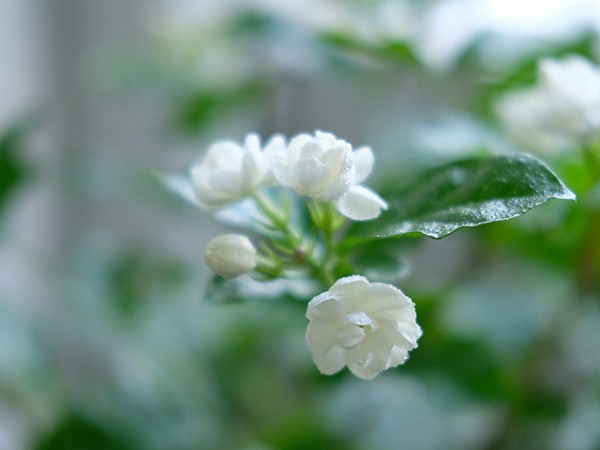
(592, 158)
(328, 221)
(295, 242)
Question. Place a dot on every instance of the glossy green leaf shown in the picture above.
(467, 193)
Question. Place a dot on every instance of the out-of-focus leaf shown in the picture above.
(380, 261)
(300, 430)
(137, 276)
(76, 433)
(249, 23)
(196, 109)
(11, 169)
(237, 290)
(385, 50)
(467, 193)
(223, 291)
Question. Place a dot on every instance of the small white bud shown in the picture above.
(230, 255)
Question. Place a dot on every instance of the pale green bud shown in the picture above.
(230, 255)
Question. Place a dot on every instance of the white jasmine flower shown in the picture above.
(325, 168)
(229, 172)
(318, 166)
(230, 255)
(561, 111)
(573, 88)
(370, 327)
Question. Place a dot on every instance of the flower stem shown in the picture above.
(591, 150)
(293, 243)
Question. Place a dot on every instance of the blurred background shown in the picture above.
(105, 341)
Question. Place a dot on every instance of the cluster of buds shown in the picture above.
(300, 194)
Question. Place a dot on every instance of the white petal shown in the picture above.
(360, 318)
(251, 170)
(403, 334)
(321, 336)
(330, 362)
(336, 189)
(223, 155)
(205, 192)
(282, 172)
(350, 336)
(362, 355)
(225, 181)
(374, 352)
(295, 147)
(359, 361)
(312, 176)
(360, 203)
(398, 356)
(363, 164)
(275, 146)
(252, 142)
(329, 139)
(338, 160)
(350, 287)
(366, 373)
(386, 297)
(410, 331)
(324, 306)
(274, 150)
(312, 149)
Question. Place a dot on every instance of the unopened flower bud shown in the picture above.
(230, 255)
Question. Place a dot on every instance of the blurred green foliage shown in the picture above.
(12, 170)
(131, 356)
(74, 431)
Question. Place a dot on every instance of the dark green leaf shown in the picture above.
(11, 170)
(467, 193)
(75, 433)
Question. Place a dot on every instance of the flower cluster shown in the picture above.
(562, 110)
(368, 327)
(318, 166)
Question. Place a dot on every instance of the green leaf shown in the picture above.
(196, 109)
(389, 50)
(223, 291)
(467, 193)
(229, 291)
(11, 170)
(75, 432)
